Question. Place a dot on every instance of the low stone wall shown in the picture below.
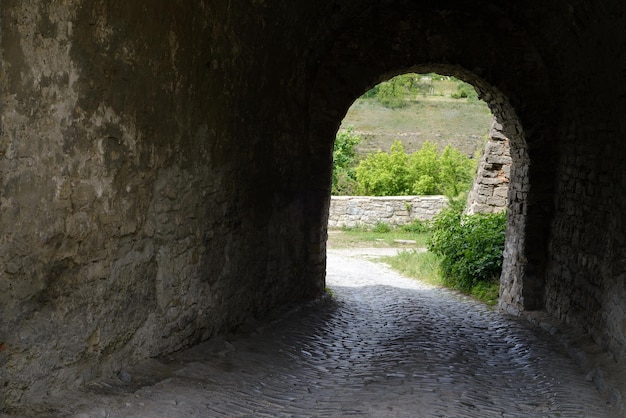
(392, 210)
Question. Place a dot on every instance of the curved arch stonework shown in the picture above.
(521, 286)
(165, 166)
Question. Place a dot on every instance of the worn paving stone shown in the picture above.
(384, 346)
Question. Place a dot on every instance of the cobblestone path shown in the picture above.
(384, 346)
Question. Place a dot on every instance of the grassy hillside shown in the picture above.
(436, 118)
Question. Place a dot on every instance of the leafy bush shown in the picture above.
(425, 172)
(381, 228)
(384, 174)
(456, 172)
(395, 92)
(488, 292)
(417, 227)
(391, 94)
(344, 176)
(424, 167)
(465, 91)
(470, 246)
(371, 93)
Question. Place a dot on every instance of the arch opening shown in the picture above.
(383, 197)
(373, 47)
(518, 290)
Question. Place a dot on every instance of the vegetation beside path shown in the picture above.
(434, 127)
(456, 251)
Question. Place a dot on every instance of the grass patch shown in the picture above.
(365, 237)
(422, 265)
(486, 292)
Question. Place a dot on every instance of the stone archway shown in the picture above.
(170, 163)
(348, 71)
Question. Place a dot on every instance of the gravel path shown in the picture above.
(384, 346)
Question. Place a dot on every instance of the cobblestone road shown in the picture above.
(385, 346)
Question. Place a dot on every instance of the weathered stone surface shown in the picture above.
(491, 185)
(393, 210)
(165, 166)
(125, 233)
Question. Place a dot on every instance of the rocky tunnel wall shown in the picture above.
(146, 161)
(586, 275)
(165, 166)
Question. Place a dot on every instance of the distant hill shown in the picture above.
(437, 118)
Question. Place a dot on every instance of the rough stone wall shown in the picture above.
(586, 277)
(393, 210)
(103, 208)
(490, 190)
(140, 181)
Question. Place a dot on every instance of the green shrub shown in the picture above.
(465, 91)
(371, 93)
(424, 172)
(424, 168)
(390, 94)
(395, 92)
(398, 91)
(417, 227)
(488, 292)
(384, 174)
(470, 246)
(456, 172)
(344, 176)
(381, 228)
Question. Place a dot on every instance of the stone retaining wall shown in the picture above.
(392, 210)
(489, 193)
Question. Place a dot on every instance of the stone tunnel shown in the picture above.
(165, 166)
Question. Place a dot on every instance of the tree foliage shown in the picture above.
(395, 92)
(424, 165)
(384, 174)
(456, 172)
(465, 91)
(398, 91)
(425, 172)
(344, 176)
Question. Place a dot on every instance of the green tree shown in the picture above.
(390, 94)
(465, 91)
(424, 168)
(384, 174)
(344, 176)
(456, 172)
(371, 93)
(425, 172)
(398, 91)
